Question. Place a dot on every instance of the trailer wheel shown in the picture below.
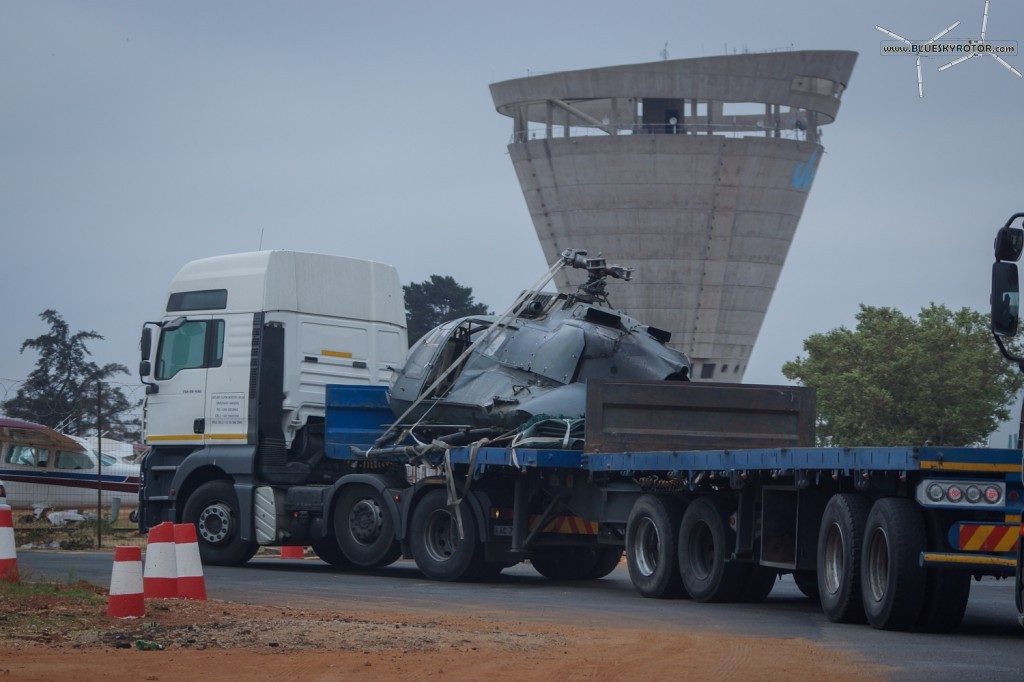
(608, 559)
(807, 583)
(364, 527)
(651, 555)
(434, 539)
(564, 563)
(328, 551)
(759, 583)
(947, 590)
(893, 581)
(840, 539)
(213, 508)
(705, 545)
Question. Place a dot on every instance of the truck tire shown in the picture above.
(329, 552)
(434, 540)
(947, 590)
(840, 539)
(807, 583)
(892, 579)
(364, 527)
(946, 594)
(564, 563)
(651, 555)
(576, 563)
(705, 545)
(758, 584)
(213, 508)
(608, 559)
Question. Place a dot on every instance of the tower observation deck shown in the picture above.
(693, 171)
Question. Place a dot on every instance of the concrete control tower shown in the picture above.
(693, 171)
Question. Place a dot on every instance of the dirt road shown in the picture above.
(49, 638)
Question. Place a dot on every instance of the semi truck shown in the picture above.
(568, 435)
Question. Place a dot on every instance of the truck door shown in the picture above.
(176, 412)
(227, 381)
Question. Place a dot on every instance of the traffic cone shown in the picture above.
(160, 577)
(126, 598)
(8, 553)
(191, 584)
(293, 552)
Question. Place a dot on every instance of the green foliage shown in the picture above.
(439, 299)
(899, 381)
(62, 389)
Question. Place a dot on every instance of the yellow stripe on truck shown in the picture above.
(934, 557)
(335, 354)
(199, 437)
(965, 466)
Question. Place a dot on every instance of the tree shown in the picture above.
(62, 390)
(899, 381)
(439, 299)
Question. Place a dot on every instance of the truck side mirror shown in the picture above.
(1005, 299)
(145, 348)
(1009, 243)
(146, 343)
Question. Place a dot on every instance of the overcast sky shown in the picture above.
(137, 136)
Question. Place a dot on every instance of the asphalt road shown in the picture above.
(988, 645)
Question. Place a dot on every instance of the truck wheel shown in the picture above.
(651, 547)
(807, 583)
(434, 539)
(759, 583)
(328, 551)
(840, 538)
(564, 563)
(946, 594)
(705, 544)
(608, 559)
(364, 528)
(892, 579)
(213, 508)
(946, 590)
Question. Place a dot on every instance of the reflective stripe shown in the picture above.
(987, 538)
(938, 558)
(567, 525)
(967, 466)
(200, 437)
(335, 354)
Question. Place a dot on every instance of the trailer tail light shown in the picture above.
(950, 493)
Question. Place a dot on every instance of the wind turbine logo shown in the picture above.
(920, 80)
(972, 55)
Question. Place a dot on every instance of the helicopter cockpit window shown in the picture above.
(459, 339)
(423, 351)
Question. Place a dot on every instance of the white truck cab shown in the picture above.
(247, 342)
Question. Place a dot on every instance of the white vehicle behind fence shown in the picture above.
(44, 468)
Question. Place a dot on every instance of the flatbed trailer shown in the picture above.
(888, 535)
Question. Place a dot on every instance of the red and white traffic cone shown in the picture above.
(160, 576)
(126, 599)
(293, 552)
(191, 584)
(8, 553)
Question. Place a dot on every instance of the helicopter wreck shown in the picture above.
(483, 376)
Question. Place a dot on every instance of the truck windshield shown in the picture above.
(195, 344)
